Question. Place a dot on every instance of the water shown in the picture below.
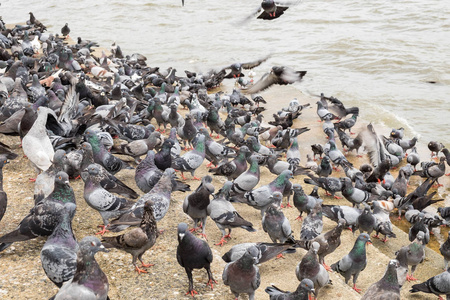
(378, 55)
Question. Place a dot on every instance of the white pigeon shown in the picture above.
(36, 144)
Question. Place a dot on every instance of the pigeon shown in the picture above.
(101, 156)
(278, 75)
(242, 275)
(336, 155)
(366, 221)
(195, 204)
(137, 148)
(160, 197)
(324, 169)
(193, 253)
(275, 223)
(431, 169)
(418, 227)
(302, 202)
(225, 215)
(435, 147)
(147, 174)
(65, 30)
(445, 251)
(383, 223)
(400, 185)
(309, 267)
(267, 251)
(305, 287)
(438, 285)
(247, 180)
(354, 262)
(353, 194)
(3, 195)
(413, 157)
(323, 113)
(328, 242)
(232, 169)
(347, 123)
(312, 226)
(36, 144)
(108, 205)
(44, 216)
(163, 158)
(89, 281)
(330, 184)
(59, 253)
(414, 254)
(191, 160)
(336, 212)
(236, 68)
(387, 287)
(260, 198)
(138, 240)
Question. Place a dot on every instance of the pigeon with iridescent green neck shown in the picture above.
(232, 169)
(354, 262)
(89, 281)
(260, 197)
(247, 180)
(190, 161)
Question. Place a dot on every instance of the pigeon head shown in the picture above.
(90, 245)
(365, 238)
(341, 222)
(93, 169)
(254, 253)
(225, 190)
(3, 161)
(62, 178)
(276, 198)
(315, 247)
(149, 204)
(297, 187)
(420, 236)
(182, 228)
(307, 285)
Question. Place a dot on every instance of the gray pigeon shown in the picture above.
(366, 221)
(232, 169)
(414, 254)
(331, 185)
(242, 275)
(59, 253)
(312, 226)
(247, 180)
(354, 262)
(3, 195)
(305, 287)
(418, 227)
(260, 198)
(438, 285)
(336, 212)
(383, 223)
(138, 240)
(195, 204)
(190, 161)
(101, 155)
(353, 194)
(413, 157)
(267, 251)
(225, 215)
(140, 147)
(108, 205)
(275, 223)
(445, 251)
(193, 253)
(387, 287)
(89, 281)
(309, 267)
(44, 216)
(303, 202)
(160, 197)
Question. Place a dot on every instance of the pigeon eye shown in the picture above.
(93, 243)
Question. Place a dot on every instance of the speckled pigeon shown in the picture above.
(59, 253)
(138, 240)
(89, 281)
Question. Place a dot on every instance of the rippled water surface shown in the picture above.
(379, 55)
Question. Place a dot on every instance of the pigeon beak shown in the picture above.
(369, 242)
(313, 291)
(66, 182)
(103, 249)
